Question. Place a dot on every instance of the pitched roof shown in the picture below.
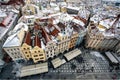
(36, 27)
(61, 25)
(82, 19)
(55, 32)
(37, 41)
(28, 38)
(45, 35)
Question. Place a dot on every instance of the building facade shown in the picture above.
(103, 36)
(37, 52)
(26, 46)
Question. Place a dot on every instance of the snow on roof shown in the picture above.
(56, 21)
(107, 23)
(3, 14)
(53, 4)
(74, 8)
(66, 17)
(42, 45)
(30, 16)
(14, 10)
(7, 19)
(3, 30)
(78, 22)
(21, 25)
(14, 40)
(62, 3)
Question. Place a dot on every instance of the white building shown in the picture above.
(12, 45)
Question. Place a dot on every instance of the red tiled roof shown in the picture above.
(61, 25)
(45, 35)
(27, 38)
(76, 28)
(55, 32)
(50, 25)
(37, 41)
(7, 20)
(36, 27)
(17, 2)
(82, 19)
(43, 20)
(2, 25)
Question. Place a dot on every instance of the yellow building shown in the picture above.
(26, 46)
(73, 40)
(37, 52)
(99, 40)
(30, 8)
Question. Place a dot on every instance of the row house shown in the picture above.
(32, 46)
(37, 52)
(79, 26)
(12, 45)
(7, 23)
(104, 36)
(51, 47)
(63, 38)
(30, 13)
(26, 46)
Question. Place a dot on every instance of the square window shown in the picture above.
(51, 54)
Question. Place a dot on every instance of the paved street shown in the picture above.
(85, 66)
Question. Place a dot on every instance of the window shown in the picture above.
(41, 55)
(47, 55)
(25, 52)
(35, 52)
(17, 48)
(42, 58)
(28, 48)
(39, 51)
(37, 59)
(14, 49)
(27, 55)
(35, 55)
(12, 53)
(24, 48)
